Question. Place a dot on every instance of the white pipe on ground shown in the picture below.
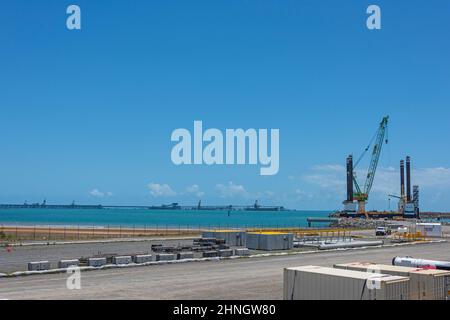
(420, 263)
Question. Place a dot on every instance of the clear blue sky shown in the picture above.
(87, 115)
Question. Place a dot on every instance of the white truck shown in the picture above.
(382, 231)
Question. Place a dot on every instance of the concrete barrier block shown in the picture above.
(165, 257)
(64, 264)
(226, 253)
(210, 254)
(142, 258)
(185, 255)
(122, 260)
(242, 252)
(96, 262)
(38, 266)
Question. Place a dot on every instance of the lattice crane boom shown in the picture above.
(362, 195)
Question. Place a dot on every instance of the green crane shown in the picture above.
(363, 195)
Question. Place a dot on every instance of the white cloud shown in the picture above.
(429, 177)
(299, 194)
(195, 190)
(231, 190)
(327, 176)
(261, 195)
(387, 179)
(99, 194)
(436, 197)
(160, 190)
(324, 186)
(330, 167)
(269, 194)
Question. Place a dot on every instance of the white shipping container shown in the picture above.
(430, 229)
(447, 285)
(270, 241)
(235, 238)
(320, 283)
(425, 284)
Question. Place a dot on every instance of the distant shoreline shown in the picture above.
(172, 206)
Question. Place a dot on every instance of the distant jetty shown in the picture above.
(44, 205)
(435, 215)
(173, 206)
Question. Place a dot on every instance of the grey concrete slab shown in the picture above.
(63, 264)
(122, 260)
(96, 262)
(165, 257)
(185, 255)
(38, 266)
(142, 258)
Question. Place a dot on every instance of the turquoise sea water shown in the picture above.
(157, 218)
